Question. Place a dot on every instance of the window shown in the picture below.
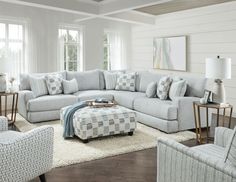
(107, 48)
(70, 51)
(12, 49)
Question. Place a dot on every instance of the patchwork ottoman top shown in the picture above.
(90, 114)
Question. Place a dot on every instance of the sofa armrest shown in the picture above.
(179, 163)
(3, 123)
(30, 154)
(24, 97)
(222, 136)
(185, 112)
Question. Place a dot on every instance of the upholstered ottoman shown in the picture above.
(92, 122)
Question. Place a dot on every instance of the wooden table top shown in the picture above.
(213, 105)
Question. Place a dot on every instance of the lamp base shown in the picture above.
(219, 92)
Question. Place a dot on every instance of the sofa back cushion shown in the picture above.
(25, 78)
(195, 86)
(146, 78)
(87, 80)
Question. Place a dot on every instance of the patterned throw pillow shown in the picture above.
(163, 87)
(230, 151)
(38, 86)
(54, 84)
(151, 90)
(126, 81)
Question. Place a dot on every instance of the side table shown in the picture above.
(197, 116)
(13, 110)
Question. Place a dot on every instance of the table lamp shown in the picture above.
(218, 69)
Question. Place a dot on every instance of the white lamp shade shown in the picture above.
(218, 68)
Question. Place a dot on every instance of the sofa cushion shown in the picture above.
(126, 82)
(110, 79)
(25, 82)
(163, 87)
(151, 90)
(125, 98)
(196, 86)
(88, 80)
(163, 109)
(70, 87)
(177, 89)
(146, 78)
(38, 86)
(50, 102)
(54, 83)
(93, 94)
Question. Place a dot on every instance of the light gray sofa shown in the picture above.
(168, 116)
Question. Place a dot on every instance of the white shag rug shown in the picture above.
(73, 151)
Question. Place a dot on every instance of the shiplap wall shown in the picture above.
(210, 31)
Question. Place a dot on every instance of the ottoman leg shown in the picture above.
(131, 133)
(85, 141)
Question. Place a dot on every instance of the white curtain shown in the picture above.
(117, 51)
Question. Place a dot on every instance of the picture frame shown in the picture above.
(207, 95)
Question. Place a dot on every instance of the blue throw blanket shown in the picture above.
(68, 118)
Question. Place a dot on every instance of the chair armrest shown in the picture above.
(3, 123)
(185, 111)
(222, 136)
(179, 163)
(30, 154)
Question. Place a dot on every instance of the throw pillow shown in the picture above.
(38, 86)
(126, 81)
(230, 151)
(110, 79)
(177, 89)
(70, 87)
(54, 84)
(163, 87)
(151, 90)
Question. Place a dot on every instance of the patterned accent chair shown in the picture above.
(24, 156)
(204, 163)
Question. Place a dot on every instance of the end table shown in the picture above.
(197, 116)
(13, 110)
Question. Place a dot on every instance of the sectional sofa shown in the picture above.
(166, 115)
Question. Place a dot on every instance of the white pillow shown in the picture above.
(110, 79)
(177, 89)
(70, 86)
(54, 83)
(163, 87)
(38, 86)
(151, 90)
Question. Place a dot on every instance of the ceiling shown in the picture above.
(141, 12)
(178, 5)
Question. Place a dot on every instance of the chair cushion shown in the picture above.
(87, 80)
(155, 107)
(230, 151)
(93, 94)
(125, 98)
(210, 150)
(50, 102)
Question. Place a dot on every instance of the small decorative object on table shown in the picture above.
(11, 80)
(197, 116)
(101, 102)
